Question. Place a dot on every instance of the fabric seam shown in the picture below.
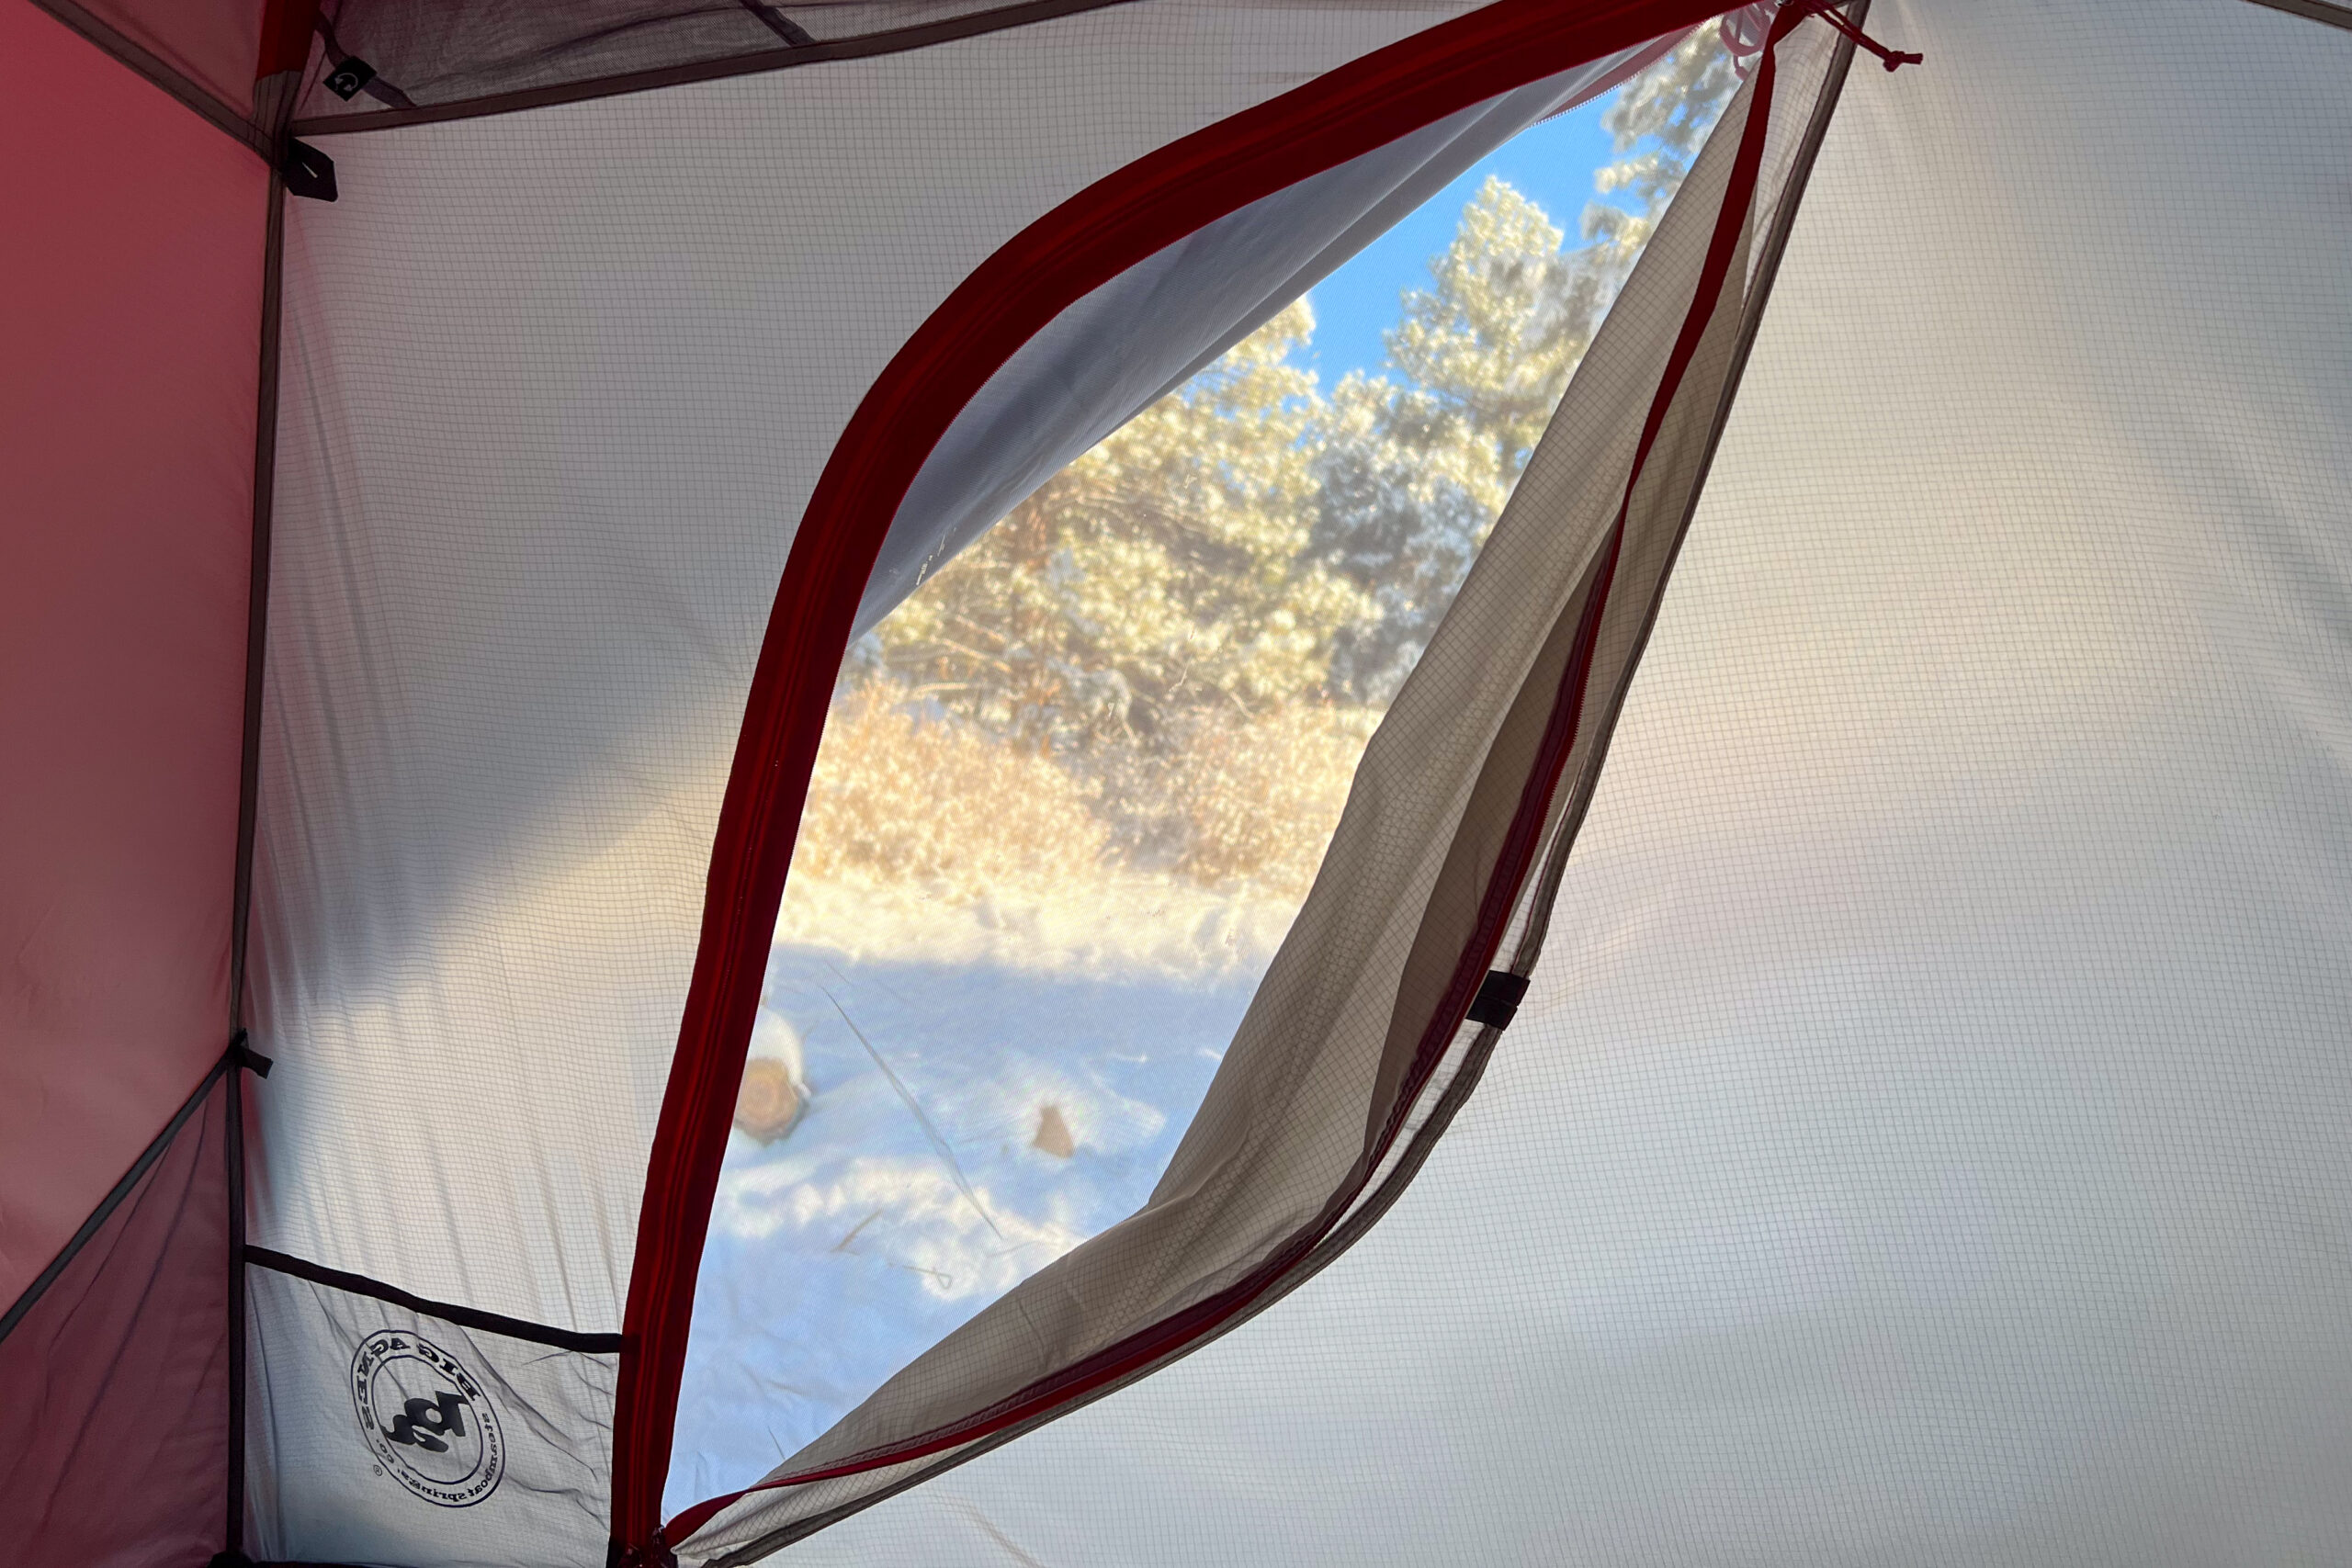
(447, 1312)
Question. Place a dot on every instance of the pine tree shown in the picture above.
(1167, 570)
(1414, 470)
(1190, 627)
(1246, 542)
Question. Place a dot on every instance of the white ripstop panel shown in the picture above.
(1929, 1136)
(398, 1437)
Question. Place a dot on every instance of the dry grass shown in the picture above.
(898, 799)
(1259, 797)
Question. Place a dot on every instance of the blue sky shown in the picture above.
(1552, 162)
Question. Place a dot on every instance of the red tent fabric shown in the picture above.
(135, 271)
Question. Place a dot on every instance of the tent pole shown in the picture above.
(249, 775)
(233, 1529)
(286, 34)
(257, 597)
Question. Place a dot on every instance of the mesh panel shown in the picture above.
(476, 56)
(1924, 1141)
(398, 1436)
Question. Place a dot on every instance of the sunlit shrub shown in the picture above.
(899, 798)
(1258, 797)
(1237, 799)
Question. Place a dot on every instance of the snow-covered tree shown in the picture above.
(1167, 570)
(1168, 658)
(1248, 542)
(1417, 466)
(1416, 469)
(1659, 122)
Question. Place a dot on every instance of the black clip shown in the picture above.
(1497, 1001)
(241, 1052)
(349, 78)
(308, 171)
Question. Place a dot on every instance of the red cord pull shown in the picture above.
(1893, 58)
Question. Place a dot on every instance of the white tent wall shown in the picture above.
(1924, 1134)
(1925, 1140)
(555, 386)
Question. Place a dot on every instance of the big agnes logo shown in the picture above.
(426, 1419)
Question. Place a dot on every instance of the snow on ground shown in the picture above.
(845, 1248)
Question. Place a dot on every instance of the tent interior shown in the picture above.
(738, 825)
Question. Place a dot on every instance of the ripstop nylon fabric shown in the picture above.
(1924, 1140)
